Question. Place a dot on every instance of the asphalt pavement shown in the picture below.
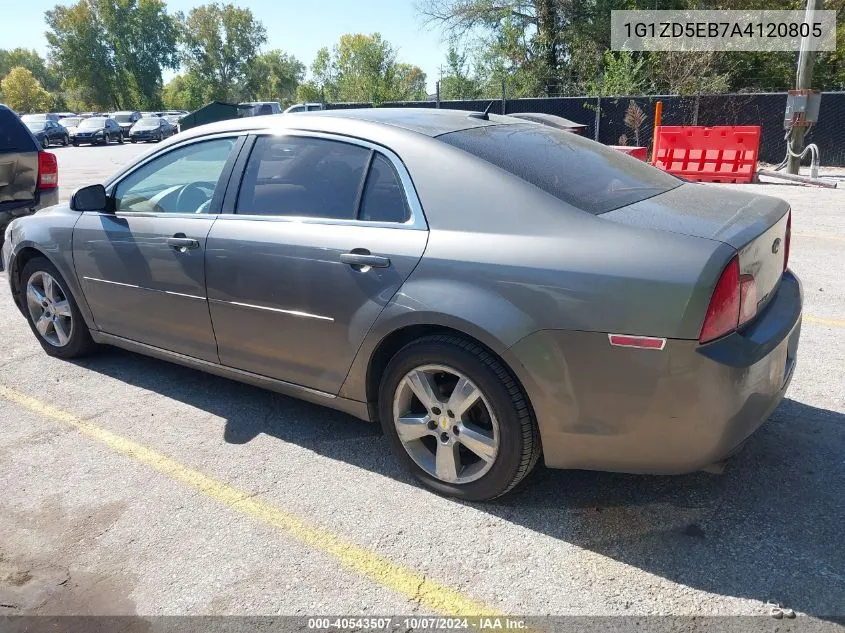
(133, 486)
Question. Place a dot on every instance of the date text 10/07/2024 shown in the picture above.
(417, 623)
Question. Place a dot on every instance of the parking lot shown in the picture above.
(137, 486)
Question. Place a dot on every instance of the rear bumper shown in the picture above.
(647, 411)
(43, 198)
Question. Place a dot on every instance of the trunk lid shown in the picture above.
(753, 224)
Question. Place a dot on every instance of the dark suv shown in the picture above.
(29, 176)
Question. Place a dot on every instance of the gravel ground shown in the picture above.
(86, 528)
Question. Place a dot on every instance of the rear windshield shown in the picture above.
(36, 126)
(148, 122)
(14, 137)
(92, 124)
(576, 170)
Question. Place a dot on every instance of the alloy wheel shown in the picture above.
(446, 424)
(49, 309)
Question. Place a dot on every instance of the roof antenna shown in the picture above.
(484, 116)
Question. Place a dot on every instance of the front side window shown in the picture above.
(181, 181)
(305, 177)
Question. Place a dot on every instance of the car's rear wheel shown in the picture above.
(120, 138)
(65, 140)
(457, 419)
(45, 142)
(52, 312)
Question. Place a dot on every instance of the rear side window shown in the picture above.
(383, 199)
(14, 135)
(305, 177)
(577, 171)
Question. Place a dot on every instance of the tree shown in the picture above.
(110, 53)
(457, 82)
(183, 92)
(409, 84)
(274, 76)
(23, 92)
(143, 40)
(362, 68)
(33, 62)
(221, 44)
(624, 75)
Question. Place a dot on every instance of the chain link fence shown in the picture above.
(606, 121)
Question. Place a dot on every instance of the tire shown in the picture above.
(501, 412)
(133, 141)
(77, 340)
(65, 140)
(45, 143)
(120, 139)
(75, 144)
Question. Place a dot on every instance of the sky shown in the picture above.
(299, 27)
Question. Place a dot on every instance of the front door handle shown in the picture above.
(181, 243)
(360, 258)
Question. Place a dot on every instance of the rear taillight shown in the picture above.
(723, 312)
(747, 299)
(786, 240)
(48, 171)
(733, 303)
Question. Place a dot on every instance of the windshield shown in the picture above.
(28, 118)
(149, 122)
(36, 126)
(92, 124)
(71, 121)
(123, 118)
(575, 170)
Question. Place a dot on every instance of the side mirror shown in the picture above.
(90, 198)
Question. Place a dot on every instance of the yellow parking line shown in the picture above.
(414, 586)
(819, 321)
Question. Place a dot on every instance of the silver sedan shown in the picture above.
(487, 289)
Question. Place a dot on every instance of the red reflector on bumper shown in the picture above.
(641, 342)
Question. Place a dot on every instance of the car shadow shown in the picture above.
(769, 528)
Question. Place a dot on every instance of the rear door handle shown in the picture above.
(364, 259)
(182, 243)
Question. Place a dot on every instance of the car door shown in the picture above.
(142, 266)
(312, 251)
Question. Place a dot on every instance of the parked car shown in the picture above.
(97, 130)
(125, 120)
(552, 120)
(49, 132)
(259, 108)
(305, 107)
(480, 285)
(43, 116)
(151, 129)
(71, 123)
(29, 176)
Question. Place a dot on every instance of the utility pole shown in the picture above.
(803, 80)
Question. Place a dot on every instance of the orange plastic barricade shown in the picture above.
(636, 152)
(708, 154)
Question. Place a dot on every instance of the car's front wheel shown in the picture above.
(457, 418)
(52, 312)
(120, 138)
(65, 140)
(45, 142)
